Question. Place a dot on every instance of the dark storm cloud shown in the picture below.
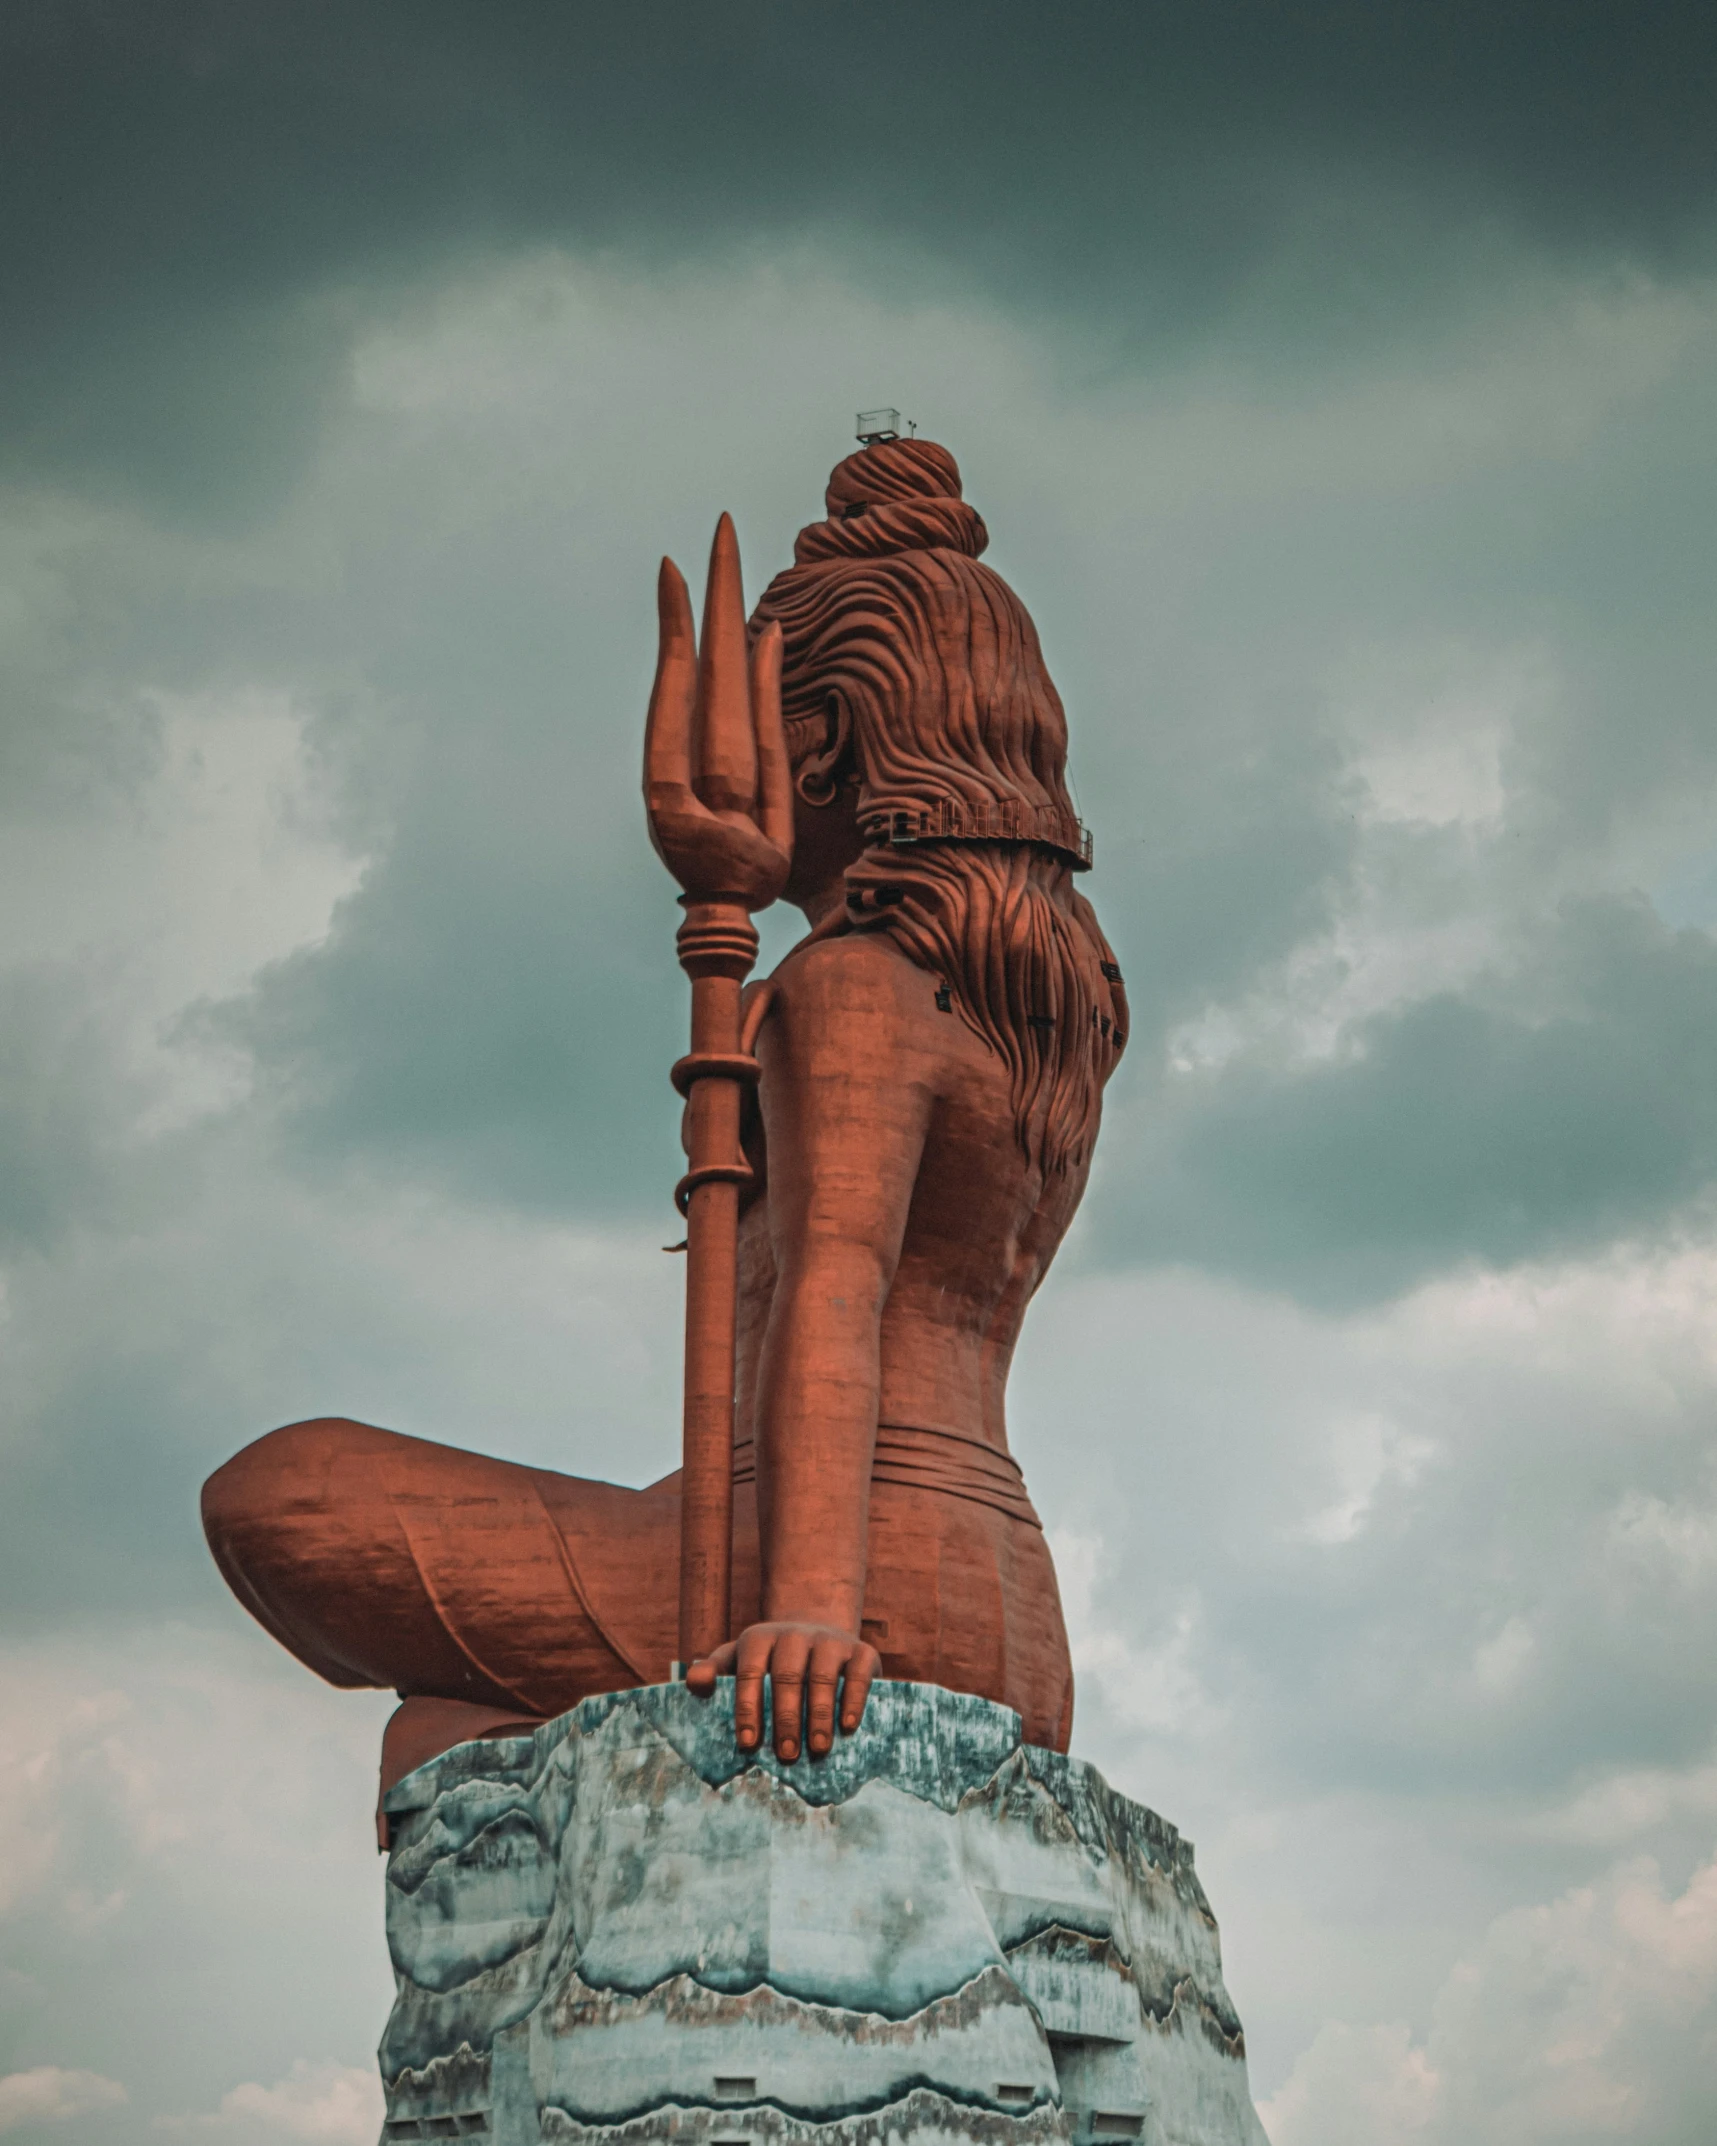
(194, 191)
(487, 1002)
(497, 987)
(1457, 1126)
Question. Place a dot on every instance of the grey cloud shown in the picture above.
(197, 189)
(1457, 1125)
(1216, 863)
(220, 1296)
(480, 1019)
(485, 1004)
(1375, 1591)
(1426, 1553)
(460, 593)
(175, 1795)
(1376, 1594)
(65, 1107)
(501, 987)
(1568, 2012)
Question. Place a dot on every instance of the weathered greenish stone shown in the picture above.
(624, 1929)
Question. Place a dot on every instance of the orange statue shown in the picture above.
(887, 1141)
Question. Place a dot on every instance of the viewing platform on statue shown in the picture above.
(622, 1928)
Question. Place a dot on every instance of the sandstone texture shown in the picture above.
(621, 1929)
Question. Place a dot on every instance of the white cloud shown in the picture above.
(1653, 1537)
(185, 1819)
(46, 2094)
(320, 2104)
(1346, 1603)
(1432, 899)
(170, 1743)
(1596, 2014)
(217, 859)
(1594, 2017)
(49, 1736)
(1501, 1663)
(1154, 1688)
(1355, 2086)
(1429, 738)
(180, 883)
(1367, 1452)
(1622, 1806)
(1450, 776)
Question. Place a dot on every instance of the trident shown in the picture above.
(716, 789)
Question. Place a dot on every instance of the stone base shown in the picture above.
(620, 1929)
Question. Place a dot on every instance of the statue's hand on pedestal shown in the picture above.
(716, 782)
(807, 1664)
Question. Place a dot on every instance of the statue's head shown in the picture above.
(898, 495)
(913, 674)
(921, 719)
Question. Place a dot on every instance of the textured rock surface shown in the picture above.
(621, 1930)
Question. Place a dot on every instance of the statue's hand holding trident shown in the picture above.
(718, 791)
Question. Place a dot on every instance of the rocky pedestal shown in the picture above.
(621, 1929)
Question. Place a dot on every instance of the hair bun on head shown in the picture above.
(900, 495)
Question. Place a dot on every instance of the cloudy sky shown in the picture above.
(1339, 383)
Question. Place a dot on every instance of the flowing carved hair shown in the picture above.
(960, 748)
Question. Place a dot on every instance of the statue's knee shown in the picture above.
(280, 1469)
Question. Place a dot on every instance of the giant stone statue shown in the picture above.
(857, 1890)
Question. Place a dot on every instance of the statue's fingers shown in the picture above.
(822, 1680)
(673, 698)
(862, 1666)
(725, 774)
(751, 1660)
(774, 776)
(787, 1691)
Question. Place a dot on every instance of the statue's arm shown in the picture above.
(847, 1099)
(846, 1111)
